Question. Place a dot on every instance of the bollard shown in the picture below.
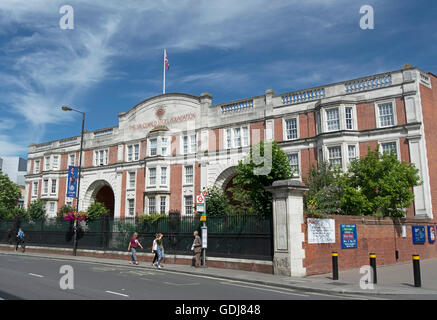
(416, 271)
(334, 266)
(372, 257)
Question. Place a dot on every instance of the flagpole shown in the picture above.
(163, 84)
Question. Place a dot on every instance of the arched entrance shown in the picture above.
(225, 181)
(101, 191)
(106, 196)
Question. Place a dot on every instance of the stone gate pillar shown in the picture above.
(288, 218)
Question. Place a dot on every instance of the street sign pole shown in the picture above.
(204, 234)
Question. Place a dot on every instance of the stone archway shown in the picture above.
(225, 177)
(101, 191)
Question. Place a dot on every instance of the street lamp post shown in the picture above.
(65, 108)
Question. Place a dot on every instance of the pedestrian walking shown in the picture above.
(20, 239)
(160, 249)
(197, 249)
(9, 236)
(133, 245)
(155, 249)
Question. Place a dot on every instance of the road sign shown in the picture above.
(203, 217)
(204, 237)
(200, 207)
(204, 193)
(200, 199)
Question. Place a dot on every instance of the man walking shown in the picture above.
(20, 239)
(197, 248)
(133, 245)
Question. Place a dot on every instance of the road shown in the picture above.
(39, 278)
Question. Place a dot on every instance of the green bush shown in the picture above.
(37, 210)
(96, 210)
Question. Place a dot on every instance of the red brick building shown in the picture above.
(167, 148)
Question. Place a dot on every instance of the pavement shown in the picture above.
(392, 279)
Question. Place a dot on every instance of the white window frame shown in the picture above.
(193, 143)
(229, 141)
(35, 189)
(164, 146)
(285, 131)
(396, 141)
(101, 160)
(69, 159)
(186, 205)
(45, 187)
(51, 209)
(338, 108)
(130, 174)
(150, 147)
(352, 117)
(54, 184)
(130, 209)
(55, 162)
(47, 163)
(150, 176)
(185, 175)
(341, 153)
(289, 155)
(377, 115)
(134, 155)
(165, 183)
(356, 152)
(37, 166)
(161, 206)
(149, 211)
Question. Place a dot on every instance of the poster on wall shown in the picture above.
(321, 230)
(348, 234)
(431, 234)
(418, 234)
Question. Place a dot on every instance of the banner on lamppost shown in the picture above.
(73, 175)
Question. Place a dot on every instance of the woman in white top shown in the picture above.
(155, 249)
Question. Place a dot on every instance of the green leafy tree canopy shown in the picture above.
(265, 164)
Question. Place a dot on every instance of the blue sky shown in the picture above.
(112, 59)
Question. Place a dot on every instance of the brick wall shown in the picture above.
(380, 236)
(307, 125)
(139, 206)
(256, 132)
(278, 130)
(366, 116)
(176, 185)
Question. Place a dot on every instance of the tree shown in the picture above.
(325, 190)
(379, 184)
(96, 210)
(217, 203)
(37, 210)
(9, 192)
(265, 164)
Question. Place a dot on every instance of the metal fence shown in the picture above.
(243, 236)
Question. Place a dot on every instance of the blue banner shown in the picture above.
(348, 234)
(418, 234)
(73, 175)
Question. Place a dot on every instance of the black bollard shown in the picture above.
(372, 257)
(416, 271)
(334, 266)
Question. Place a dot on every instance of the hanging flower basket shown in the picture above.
(73, 215)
